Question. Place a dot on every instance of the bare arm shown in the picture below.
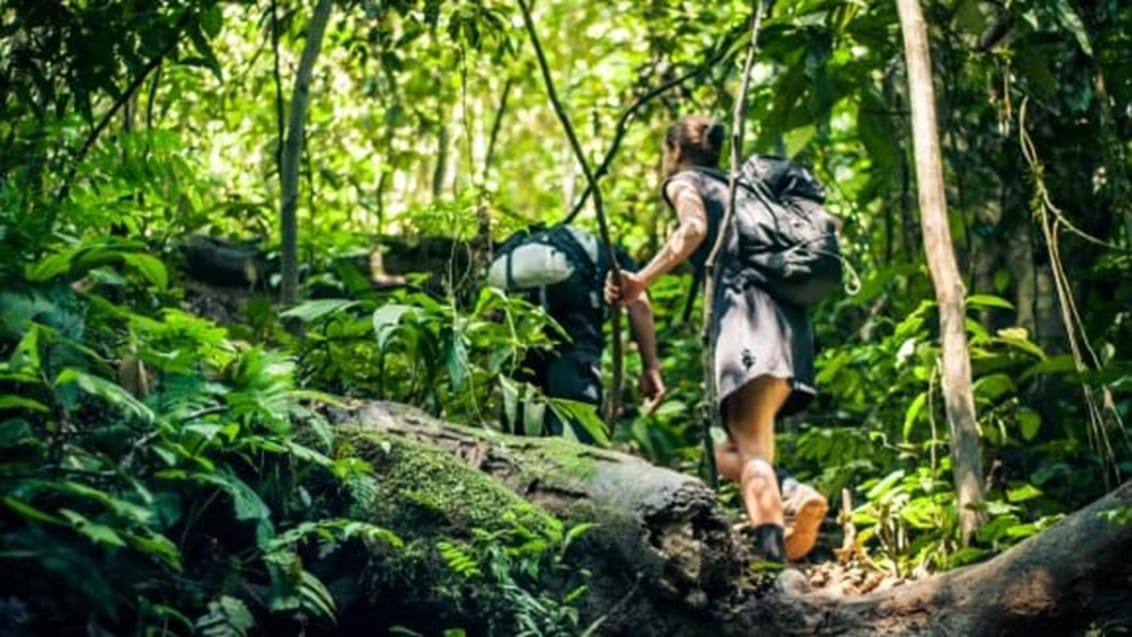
(641, 325)
(693, 228)
(688, 236)
(643, 330)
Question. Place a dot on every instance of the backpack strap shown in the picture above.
(693, 290)
(577, 253)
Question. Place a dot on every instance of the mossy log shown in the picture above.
(662, 557)
(660, 551)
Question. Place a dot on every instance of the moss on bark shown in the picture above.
(474, 550)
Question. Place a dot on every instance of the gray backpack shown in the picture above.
(787, 240)
(561, 257)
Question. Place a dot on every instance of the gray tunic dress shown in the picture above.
(754, 334)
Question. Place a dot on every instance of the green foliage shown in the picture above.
(153, 462)
(523, 569)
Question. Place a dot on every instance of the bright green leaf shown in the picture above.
(150, 267)
(9, 401)
(913, 412)
(108, 391)
(1023, 493)
(315, 309)
(989, 300)
(1030, 423)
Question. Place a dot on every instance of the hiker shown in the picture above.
(562, 268)
(764, 353)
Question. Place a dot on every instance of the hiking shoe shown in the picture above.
(805, 508)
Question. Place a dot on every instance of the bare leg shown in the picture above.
(749, 416)
(728, 463)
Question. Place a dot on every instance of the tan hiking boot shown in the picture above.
(805, 508)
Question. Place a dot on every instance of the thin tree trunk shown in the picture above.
(440, 171)
(959, 400)
(496, 124)
(293, 150)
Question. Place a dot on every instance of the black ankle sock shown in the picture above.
(770, 542)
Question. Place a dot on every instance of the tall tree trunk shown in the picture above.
(959, 400)
(293, 150)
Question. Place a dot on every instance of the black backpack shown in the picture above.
(538, 258)
(787, 240)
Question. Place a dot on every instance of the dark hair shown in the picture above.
(698, 138)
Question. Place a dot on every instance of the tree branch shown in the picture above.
(133, 86)
(737, 124)
(599, 211)
(622, 127)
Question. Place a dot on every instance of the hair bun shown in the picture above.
(715, 135)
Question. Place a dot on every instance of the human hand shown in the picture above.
(651, 386)
(631, 288)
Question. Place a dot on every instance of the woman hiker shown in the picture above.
(764, 354)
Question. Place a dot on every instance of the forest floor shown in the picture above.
(848, 579)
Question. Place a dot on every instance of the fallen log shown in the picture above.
(663, 560)
(246, 264)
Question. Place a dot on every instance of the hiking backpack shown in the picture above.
(787, 240)
(536, 259)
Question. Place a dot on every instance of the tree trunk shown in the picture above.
(293, 150)
(662, 557)
(959, 400)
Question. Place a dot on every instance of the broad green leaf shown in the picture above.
(989, 300)
(584, 414)
(201, 44)
(29, 512)
(993, 386)
(913, 412)
(27, 357)
(1034, 65)
(386, 319)
(1023, 493)
(226, 617)
(1060, 364)
(211, 19)
(885, 485)
(99, 533)
(150, 267)
(1030, 423)
(1069, 19)
(970, 18)
(798, 139)
(246, 503)
(456, 359)
(875, 128)
(51, 266)
(9, 401)
(315, 309)
(111, 392)
(510, 401)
